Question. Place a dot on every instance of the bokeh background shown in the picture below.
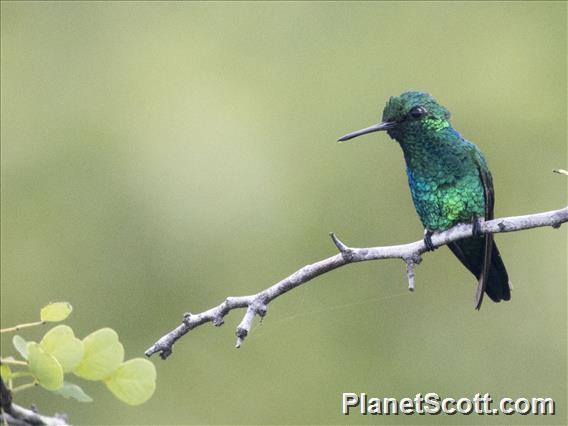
(158, 157)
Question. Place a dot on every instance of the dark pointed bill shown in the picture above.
(374, 128)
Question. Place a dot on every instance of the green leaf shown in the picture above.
(103, 355)
(44, 367)
(134, 382)
(21, 346)
(55, 312)
(71, 390)
(5, 372)
(61, 343)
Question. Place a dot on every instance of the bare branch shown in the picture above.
(14, 415)
(21, 416)
(256, 304)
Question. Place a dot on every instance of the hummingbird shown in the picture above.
(450, 183)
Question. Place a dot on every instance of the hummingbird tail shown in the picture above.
(498, 287)
(471, 253)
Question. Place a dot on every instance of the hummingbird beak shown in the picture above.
(385, 125)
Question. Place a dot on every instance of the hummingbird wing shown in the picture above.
(480, 255)
(476, 253)
(489, 196)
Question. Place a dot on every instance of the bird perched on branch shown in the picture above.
(449, 181)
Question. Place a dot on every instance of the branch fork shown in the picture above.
(345, 251)
(243, 329)
(411, 262)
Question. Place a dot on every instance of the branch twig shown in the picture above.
(256, 304)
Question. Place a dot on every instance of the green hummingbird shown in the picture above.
(449, 181)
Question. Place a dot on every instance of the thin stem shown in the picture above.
(20, 326)
(24, 387)
(20, 374)
(12, 361)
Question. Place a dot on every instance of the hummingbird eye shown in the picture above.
(417, 112)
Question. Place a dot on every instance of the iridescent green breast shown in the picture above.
(444, 181)
(441, 206)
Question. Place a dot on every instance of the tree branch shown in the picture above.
(14, 415)
(256, 304)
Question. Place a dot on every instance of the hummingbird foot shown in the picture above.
(428, 241)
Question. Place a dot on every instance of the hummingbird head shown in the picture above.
(410, 113)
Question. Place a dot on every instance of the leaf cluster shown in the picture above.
(97, 357)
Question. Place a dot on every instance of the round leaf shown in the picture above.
(45, 368)
(5, 372)
(61, 343)
(103, 355)
(71, 390)
(21, 345)
(134, 382)
(55, 312)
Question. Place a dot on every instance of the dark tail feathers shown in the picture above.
(470, 252)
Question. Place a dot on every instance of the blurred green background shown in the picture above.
(158, 157)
